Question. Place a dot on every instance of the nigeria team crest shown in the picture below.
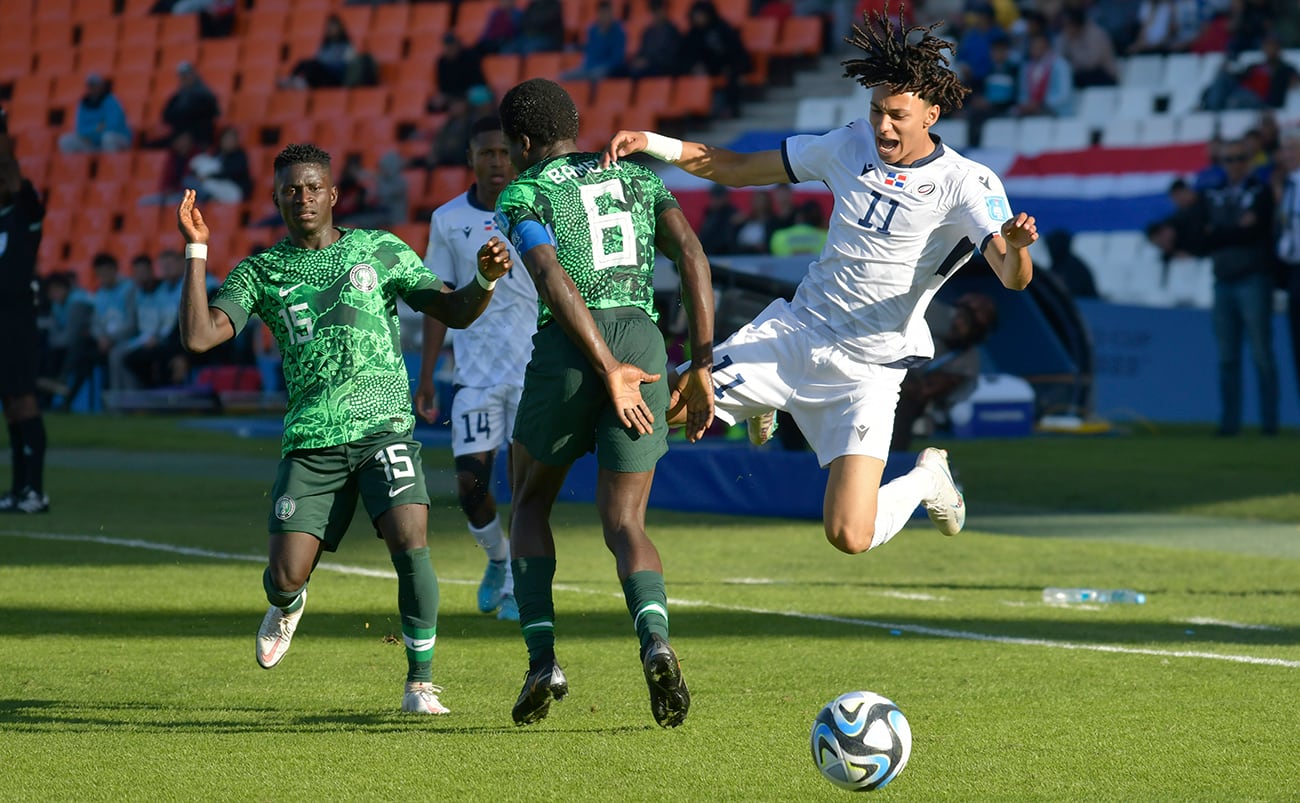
(363, 277)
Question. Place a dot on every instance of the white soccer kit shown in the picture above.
(490, 353)
(834, 357)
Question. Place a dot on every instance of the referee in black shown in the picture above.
(21, 213)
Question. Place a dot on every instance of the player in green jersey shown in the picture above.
(594, 383)
(329, 296)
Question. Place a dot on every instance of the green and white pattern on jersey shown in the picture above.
(602, 221)
(333, 313)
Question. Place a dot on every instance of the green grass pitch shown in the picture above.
(127, 618)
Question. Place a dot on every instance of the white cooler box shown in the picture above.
(1002, 406)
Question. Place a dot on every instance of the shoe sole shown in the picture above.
(670, 700)
(940, 523)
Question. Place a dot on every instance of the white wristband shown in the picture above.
(663, 148)
(196, 250)
(483, 280)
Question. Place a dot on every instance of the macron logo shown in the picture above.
(862, 432)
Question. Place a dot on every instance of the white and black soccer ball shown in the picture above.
(861, 741)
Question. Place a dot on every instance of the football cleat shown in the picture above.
(947, 508)
(276, 632)
(509, 610)
(489, 591)
(669, 697)
(422, 698)
(541, 686)
(25, 501)
(761, 427)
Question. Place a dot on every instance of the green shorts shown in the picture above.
(565, 410)
(316, 490)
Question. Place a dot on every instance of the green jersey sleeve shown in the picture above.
(412, 281)
(237, 296)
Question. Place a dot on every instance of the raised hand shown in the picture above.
(624, 143)
(494, 259)
(694, 391)
(1021, 231)
(624, 383)
(190, 221)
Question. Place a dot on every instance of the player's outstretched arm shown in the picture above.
(1009, 255)
(461, 308)
(716, 164)
(622, 380)
(201, 327)
(426, 395)
(693, 389)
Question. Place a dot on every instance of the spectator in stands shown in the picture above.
(392, 193)
(1252, 24)
(373, 200)
(171, 183)
(930, 390)
(1000, 93)
(754, 230)
(452, 138)
(1238, 239)
(216, 17)
(973, 48)
(336, 63)
(541, 29)
(150, 357)
(67, 333)
(660, 48)
(1178, 235)
(150, 310)
(113, 320)
(806, 236)
(712, 46)
(192, 108)
(720, 224)
(1256, 86)
(1088, 49)
(224, 175)
(783, 211)
(1167, 26)
(604, 52)
(1073, 272)
(1046, 85)
(100, 121)
(502, 26)
(1287, 191)
(460, 69)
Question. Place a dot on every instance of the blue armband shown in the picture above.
(529, 234)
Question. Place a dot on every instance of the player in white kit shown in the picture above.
(490, 355)
(908, 212)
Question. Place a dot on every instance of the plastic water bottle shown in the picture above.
(1121, 595)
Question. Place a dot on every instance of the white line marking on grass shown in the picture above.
(1201, 620)
(921, 630)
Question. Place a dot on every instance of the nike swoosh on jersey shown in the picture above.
(284, 291)
(395, 491)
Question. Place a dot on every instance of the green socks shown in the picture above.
(417, 601)
(287, 601)
(647, 601)
(533, 578)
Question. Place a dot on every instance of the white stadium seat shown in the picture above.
(1159, 129)
(1196, 127)
(1122, 133)
(1144, 70)
(1135, 102)
(1001, 132)
(954, 132)
(1234, 123)
(1070, 134)
(818, 114)
(1035, 135)
(1181, 69)
(1191, 282)
(1097, 105)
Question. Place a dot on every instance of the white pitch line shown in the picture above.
(922, 630)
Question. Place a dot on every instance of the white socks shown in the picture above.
(494, 543)
(898, 499)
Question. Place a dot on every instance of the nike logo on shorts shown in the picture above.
(395, 491)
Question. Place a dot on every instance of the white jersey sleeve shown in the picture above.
(494, 349)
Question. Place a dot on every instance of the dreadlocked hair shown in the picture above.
(300, 154)
(892, 60)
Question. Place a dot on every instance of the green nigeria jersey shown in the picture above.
(601, 222)
(333, 313)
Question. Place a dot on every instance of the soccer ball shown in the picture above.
(861, 741)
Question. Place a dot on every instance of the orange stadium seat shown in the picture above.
(91, 11)
(139, 34)
(428, 23)
(580, 91)
(300, 44)
(215, 54)
(48, 34)
(598, 125)
(137, 8)
(415, 235)
(133, 58)
(56, 60)
(356, 21)
(247, 107)
(693, 95)
(98, 58)
(733, 11)
(30, 101)
(760, 37)
(447, 182)
(501, 71)
(614, 94)
(100, 33)
(16, 55)
(653, 96)
(391, 21)
(327, 104)
(285, 105)
(53, 10)
(334, 136)
(800, 36)
(417, 187)
(259, 66)
(541, 65)
(367, 102)
(66, 90)
(114, 168)
(301, 129)
(378, 132)
(178, 28)
(471, 19)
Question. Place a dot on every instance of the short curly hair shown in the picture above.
(541, 110)
(893, 61)
(301, 154)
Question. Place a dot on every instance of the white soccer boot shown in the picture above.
(947, 508)
(276, 632)
(761, 427)
(422, 698)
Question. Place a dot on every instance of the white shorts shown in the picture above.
(842, 406)
(483, 418)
